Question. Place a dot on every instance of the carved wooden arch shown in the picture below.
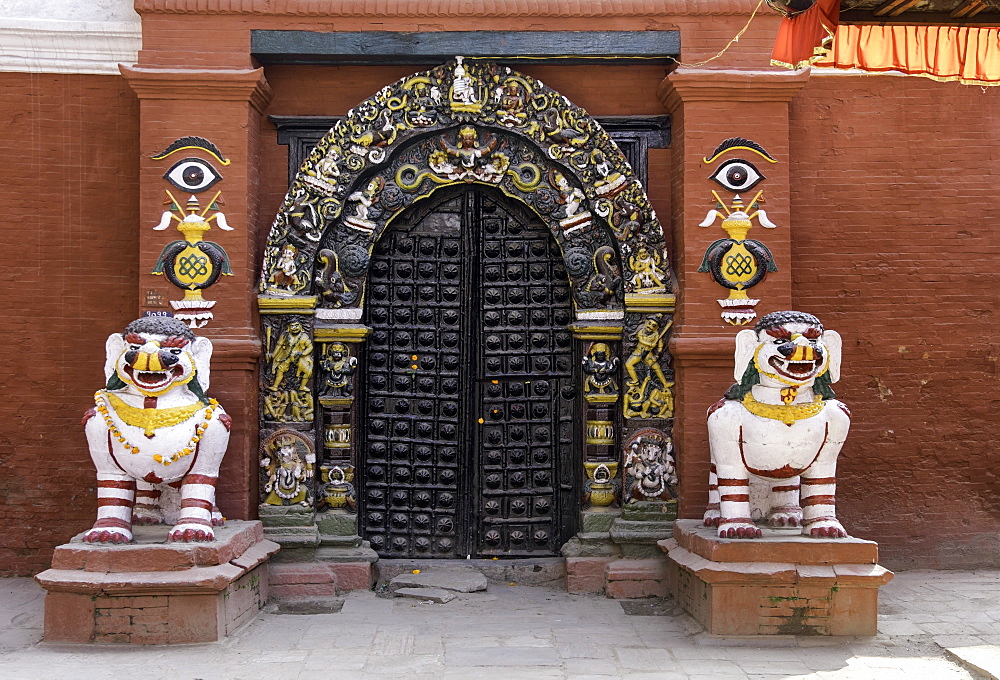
(466, 122)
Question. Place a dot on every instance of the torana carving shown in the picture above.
(465, 122)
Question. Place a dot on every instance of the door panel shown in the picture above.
(469, 408)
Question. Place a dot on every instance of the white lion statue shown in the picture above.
(776, 434)
(156, 439)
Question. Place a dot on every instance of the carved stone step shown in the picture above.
(455, 579)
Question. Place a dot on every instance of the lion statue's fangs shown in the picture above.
(155, 437)
(776, 434)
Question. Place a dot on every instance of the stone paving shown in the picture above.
(934, 625)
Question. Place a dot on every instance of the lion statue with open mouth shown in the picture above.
(156, 438)
(776, 434)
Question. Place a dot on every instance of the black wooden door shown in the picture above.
(469, 399)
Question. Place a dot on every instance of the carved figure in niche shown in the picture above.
(287, 460)
(289, 395)
(338, 368)
(600, 369)
(775, 436)
(378, 135)
(649, 395)
(304, 218)
(333, 289)
(338, 491)
(464, 93)
(513, 103)
(561, 132)
(365, 198)
(611, 181)
(569, 196)
(285, 276)
(154, 431)
(423, 107)
(650, 467)
(646, 271)
(605, 283)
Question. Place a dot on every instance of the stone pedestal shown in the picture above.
(780, 584)
(154, 592)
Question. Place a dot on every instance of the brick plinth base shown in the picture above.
(781, 584)
(155, 592)
(318, 579)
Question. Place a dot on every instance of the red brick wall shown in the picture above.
(894, 186)
(68, 189)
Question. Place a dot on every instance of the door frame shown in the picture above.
(465, 122)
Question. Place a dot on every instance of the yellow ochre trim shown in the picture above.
(787, 414)
(151, 419)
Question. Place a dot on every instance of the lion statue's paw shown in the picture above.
(217, 519)
(712, 517)
(186, 532)
(739, 530)
(107, 535)
(825, 528)
(785, 517)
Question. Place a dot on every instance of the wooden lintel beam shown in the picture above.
(968, 8)
(893, 8)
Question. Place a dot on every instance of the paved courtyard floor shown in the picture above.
(938, 625)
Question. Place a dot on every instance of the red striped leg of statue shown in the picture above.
(819, 506)
(147, 504)
(115, 498)
(784, 504)
(734, 508)
(197, 501)
(711, 518)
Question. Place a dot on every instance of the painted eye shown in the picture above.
(175, 352)
(737, 175)
(192, 175)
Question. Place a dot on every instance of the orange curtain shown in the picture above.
(801, 38)
(970, 55)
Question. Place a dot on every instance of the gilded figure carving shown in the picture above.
(650, 467)
(338, 367)
(648, 392)
(288, 396)
(287, 463)
(600, 368)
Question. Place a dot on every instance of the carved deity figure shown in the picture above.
(289, 395)
(650, 466)
(646, 271)
(776, 434)
(600, 369)
(288, 463)
(569, 195)
(338, 367)
(648, 395)
(156, 439)
(285, 276)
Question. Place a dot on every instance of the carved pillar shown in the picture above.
(224, 108)
(600, 346)
(338, 348)
(289, 414)
(708, 107)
